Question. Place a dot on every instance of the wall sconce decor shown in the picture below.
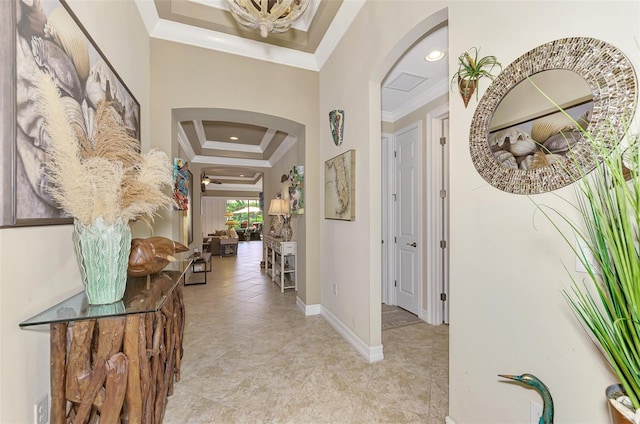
(336, 123)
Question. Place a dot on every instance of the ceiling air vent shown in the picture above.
(405, 82)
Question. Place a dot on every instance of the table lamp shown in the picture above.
(280, 208)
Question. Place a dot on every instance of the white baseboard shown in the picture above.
(370, 353)
(307, 310)
(449, 420)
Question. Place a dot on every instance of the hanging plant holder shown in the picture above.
(467, 87)
(472, 67)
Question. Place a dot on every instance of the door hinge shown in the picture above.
(443, 141)
(394, 154)
(443, 244)
(443, 296)
(395, 283)
(395, 239)
(443, 193)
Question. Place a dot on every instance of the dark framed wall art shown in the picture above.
(189, 210)
(47, 37)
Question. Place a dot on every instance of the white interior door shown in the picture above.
(407, 247)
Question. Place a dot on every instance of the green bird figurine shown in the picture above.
(538, 386)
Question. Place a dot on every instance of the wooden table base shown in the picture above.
(117, 369)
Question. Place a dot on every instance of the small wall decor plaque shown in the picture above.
(296, 190)
(336, 122)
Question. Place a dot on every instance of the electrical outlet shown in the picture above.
(535, 412)
(41, 410)
(590, 258)
(335, 289)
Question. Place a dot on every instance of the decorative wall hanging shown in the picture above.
(181, 184)
(336, 123)
(339, 187)
(189, 211)
(503, 163)
(472, 69)
(296, 190)
(49, 37)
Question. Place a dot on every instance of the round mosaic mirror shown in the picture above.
(519, 141)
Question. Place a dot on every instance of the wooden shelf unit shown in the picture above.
(281, 262)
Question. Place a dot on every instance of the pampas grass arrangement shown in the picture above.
(105, 176)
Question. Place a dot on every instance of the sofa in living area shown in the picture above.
(212, 244)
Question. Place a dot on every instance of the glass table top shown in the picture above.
(143, 294)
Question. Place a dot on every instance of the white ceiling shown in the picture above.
(412, 83)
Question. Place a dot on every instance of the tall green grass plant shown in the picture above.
(607, 301)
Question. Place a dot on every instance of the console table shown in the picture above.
(200, 264)
(281, 261)
(117, 362)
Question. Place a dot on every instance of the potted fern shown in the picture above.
(471, 69)
(607, 302)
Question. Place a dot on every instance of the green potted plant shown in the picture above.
(607, 302)
(470, 70)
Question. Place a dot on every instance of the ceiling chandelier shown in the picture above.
(267, 15)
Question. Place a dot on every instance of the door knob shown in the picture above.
(412, 244)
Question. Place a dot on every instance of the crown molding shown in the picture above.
(213, 40)
(183, 141)
(219, 160)
(338, 27)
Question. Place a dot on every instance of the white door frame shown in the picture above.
(435, 272)
(388, 216)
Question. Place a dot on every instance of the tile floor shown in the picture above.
(250, 356)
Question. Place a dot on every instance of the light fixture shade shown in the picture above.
(228, 214)
(267, 15)
(279, 207)
(205, 180)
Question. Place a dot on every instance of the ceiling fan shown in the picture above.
(205, 181)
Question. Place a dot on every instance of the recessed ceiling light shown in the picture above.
(234, 138)
(434, 56)
(242, 175)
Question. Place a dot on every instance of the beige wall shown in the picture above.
(507, 311)
(273, 185)
(512, 304)
(351, 252)
(190, 77)
(37, 264)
